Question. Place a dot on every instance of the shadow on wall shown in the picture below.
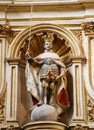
(66, 117)
(24, 101)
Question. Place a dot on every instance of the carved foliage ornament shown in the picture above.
(90, 109)
(5, 29)
(78, 34)
(12, 128)
(2, 111)
(78, 127)
(88, 27)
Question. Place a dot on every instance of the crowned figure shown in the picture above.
(46, 77)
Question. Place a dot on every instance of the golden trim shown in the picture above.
(60, 25)
(0, 62)
(42, 7)
(2, 19)
(2, 36)
(44, 125)
(16, 61)
(68, 25)
(47, 18)
(12, 98)
(89, 63)
(46, 7)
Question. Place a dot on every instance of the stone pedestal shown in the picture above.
(44, 117)
(44, 125)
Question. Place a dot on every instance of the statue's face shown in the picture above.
(48, 46)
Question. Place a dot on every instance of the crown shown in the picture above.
(48, 37)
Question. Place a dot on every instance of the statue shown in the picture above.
(46, 78)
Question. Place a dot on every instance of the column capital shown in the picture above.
(78, 59)
(16, 61)
(88, 27)
(5, 29)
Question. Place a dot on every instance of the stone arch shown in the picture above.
(18, 75)
(23, 35)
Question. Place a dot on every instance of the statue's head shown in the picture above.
(48, 39)
(48, 46)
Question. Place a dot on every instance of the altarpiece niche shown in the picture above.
(48, 81)
(46, 76)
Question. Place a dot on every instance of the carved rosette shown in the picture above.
(90, 110)
(88, 27)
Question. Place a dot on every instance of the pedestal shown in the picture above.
(44, 125)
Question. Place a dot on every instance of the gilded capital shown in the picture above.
(88, 27)
(5, 29)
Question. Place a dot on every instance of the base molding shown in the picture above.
(44, 125)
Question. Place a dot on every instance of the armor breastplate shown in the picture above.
(49, 66)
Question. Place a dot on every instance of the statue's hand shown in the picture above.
(27, 55)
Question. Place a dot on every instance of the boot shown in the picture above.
(41, 101)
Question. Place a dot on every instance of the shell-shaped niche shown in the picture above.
(36, 46)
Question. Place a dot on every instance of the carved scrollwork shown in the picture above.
(88, 27)
(12, 127)
(90, 108)
(60, 37)
(78, 127)
(78, 34)
(2, 110)
(5, 29)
